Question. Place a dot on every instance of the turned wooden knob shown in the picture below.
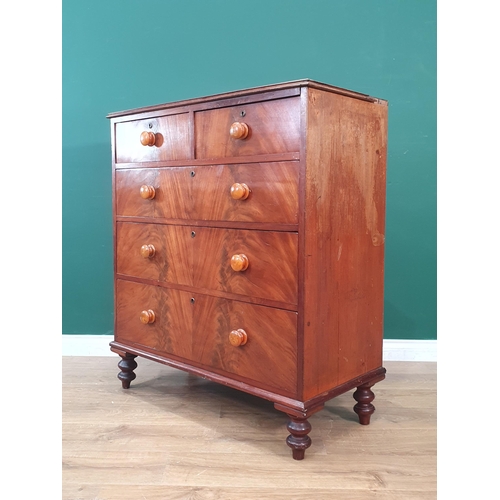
(147, 316)
(238, 337)
(238, 130)
(239, 191)
(148, 251)
(148, 138)
(147, 192)
(239, 262)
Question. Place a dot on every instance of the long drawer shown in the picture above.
(229, 337)
(255, 263)
(256, 192)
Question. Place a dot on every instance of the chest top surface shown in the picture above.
(280, 89)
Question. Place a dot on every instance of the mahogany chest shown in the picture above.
(249, 243)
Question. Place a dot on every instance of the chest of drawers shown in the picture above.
(249, 243)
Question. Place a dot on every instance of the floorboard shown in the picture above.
(176, 436)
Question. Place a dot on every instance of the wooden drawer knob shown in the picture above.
(239, 262)
(238, 337)
(147, 316)
(148, 138)
(148, 192)
(238, 130)
(239, 191)
(148, 251)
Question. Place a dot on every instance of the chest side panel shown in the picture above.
(344, 239)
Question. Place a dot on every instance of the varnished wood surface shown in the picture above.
(343, 228)
(176, 436)
(214, 293)
(202, 258)
(267, 92)
(209, 161)
(172, 139)
(287, 403)
(333, 197)
(204, 192)
(196, 327)
(239, 130)
(261, 226)
(273, 127)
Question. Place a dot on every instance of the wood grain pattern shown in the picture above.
(147, 192)
(173, 435)
(344, 220)
(214, 293)
(127, 194)
(239, 262)
(238, 130)
(238, 337)
(172, 139)
(243, 96)
(284, 402)
(261, 226)
(196, 327)
(266, 224)
(206, 195)
(173, 257)
(204, 261)
(239, 191)
(293, 156)
(273, 127)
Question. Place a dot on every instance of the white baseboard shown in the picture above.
(410, 350)
(394, 350)
(86, 345)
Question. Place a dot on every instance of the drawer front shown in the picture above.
(272, 127)
(197, 328)
(204, 257)
(204, 192)
(170, 139)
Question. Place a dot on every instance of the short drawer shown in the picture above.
(268, 127)
(207, 330)
(208, 193)
(153, 139)
(260, 264)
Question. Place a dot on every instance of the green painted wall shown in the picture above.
(121, 54)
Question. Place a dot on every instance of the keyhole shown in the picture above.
(242, 113)
(192, 300)
(150, 125)
(193, 234)
(193, 173)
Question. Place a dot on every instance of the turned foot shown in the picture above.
(127, 366)
(364, 408)
(298, 440)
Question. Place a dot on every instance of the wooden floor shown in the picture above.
(176, 436)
